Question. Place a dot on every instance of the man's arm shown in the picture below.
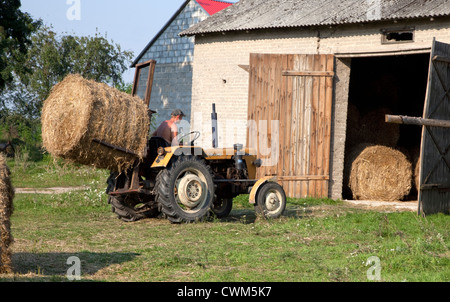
(174, 130)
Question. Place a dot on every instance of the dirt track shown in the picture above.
(379, 205)
(54, 190)
(386, 205)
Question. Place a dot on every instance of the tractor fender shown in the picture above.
(257, 185)
(162, 161)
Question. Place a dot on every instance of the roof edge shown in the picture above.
(192, 32)
(159, 33)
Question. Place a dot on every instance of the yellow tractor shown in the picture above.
(187, 183)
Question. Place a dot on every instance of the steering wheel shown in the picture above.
(191, 142)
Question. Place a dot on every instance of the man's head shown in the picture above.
(177, 115)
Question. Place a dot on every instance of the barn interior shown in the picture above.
(388, 85)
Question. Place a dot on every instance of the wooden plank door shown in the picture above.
(290, 98)
(434, 193)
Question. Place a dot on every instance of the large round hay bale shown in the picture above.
(379, 173)
(6, 209)
(80, 110)
(374, 129)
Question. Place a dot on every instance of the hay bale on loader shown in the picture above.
(78, 111)
(6, 210)
(378, 172)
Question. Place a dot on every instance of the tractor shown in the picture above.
(186, 183)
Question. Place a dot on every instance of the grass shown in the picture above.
(51, 173)
(316, 240)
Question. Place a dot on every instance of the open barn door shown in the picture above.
(434, 194)
(290, 101)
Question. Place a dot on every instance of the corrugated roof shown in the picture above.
(213, 6)
(264, 14)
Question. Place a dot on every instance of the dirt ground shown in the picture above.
(386, 205)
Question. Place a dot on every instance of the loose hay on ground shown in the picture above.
(6, 209)
(378, 173)
(80, 110)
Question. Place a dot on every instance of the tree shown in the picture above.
(52, 57)
(16, 28)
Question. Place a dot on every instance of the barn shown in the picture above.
(310, 75)
(172, 82)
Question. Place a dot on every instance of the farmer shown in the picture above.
(168, 130)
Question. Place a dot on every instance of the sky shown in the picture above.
(130, 23)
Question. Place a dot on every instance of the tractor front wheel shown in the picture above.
(270, 200)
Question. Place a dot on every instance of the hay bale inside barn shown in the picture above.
(6, 209)
(80, 110)
(395, 85)
(377, 172)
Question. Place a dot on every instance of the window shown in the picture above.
(390, 36)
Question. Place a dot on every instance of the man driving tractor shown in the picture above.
(168, 130)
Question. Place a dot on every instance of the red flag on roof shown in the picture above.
(212, 6)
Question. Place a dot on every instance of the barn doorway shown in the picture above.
(382, 85)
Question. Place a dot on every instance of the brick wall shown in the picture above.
(174, 55)
(218, 79)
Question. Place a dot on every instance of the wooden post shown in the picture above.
(402, 119)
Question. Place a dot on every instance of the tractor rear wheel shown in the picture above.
(186, 190)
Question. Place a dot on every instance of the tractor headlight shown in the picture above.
(161, 151)
(257, 163)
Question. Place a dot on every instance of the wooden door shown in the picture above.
(434, 195)
(290, 99)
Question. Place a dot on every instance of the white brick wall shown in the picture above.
(218, 79)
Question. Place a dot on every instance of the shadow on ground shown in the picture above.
(247, 216)
(44, 265)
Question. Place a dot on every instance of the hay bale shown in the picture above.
(373, 129)
(379, 173)
(6, 209)
(80, 110)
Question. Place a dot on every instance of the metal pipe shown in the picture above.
(214, 126)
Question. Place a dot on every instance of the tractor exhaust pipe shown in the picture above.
(214, 126)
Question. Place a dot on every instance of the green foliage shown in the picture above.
(52, 57)
(15, 30)
(125, 87)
